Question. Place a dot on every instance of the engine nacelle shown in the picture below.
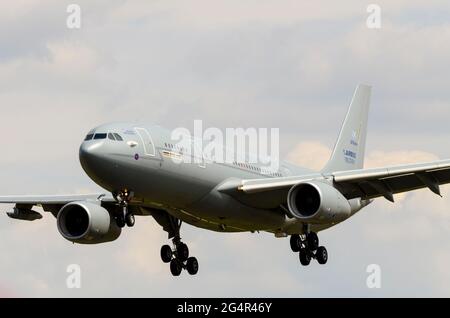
(87, 223)
(318, 202)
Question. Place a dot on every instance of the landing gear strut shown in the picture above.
(178, 257)
(126, 217)
(308, 248)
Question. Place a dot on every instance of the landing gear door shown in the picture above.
(147, 142)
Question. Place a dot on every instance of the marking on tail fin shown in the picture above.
(348, 153)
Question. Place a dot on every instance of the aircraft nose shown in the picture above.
(89, 155)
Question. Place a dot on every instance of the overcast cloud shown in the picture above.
(291, 65)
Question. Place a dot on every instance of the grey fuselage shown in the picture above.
(142, 163)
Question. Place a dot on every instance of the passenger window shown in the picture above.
(89, 137)
(111, 136)
(118, 137)
(100, 136)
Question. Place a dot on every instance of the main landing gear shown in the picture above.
(178, 257)
(124, 217)
(308, 248)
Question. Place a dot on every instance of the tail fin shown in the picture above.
(348, 153)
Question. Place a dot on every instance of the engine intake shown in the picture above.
(318, 202)
(87, 223)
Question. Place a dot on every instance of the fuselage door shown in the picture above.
(149, 146)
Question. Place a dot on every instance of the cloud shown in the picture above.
(238, 14)
(313, 155)
(379, 158)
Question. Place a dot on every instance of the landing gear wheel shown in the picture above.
(129, 219)
(322, 255)
(192, 265)
(296, 243)
(313, 241)
(182, 252)
(175, 267)
(123, 198)
(120, 220)
(304, 256)
(166, 253)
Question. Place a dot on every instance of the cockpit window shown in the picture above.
(118, 137)
(111, 136)
(100, 136)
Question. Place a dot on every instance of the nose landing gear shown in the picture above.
(308, 248)
(126, 217)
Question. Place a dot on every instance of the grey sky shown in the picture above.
(286, 64)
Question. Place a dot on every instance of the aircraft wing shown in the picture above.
(362, 183)
(50, 203)
(51, 199)
(385, 182)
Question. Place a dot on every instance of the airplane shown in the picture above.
(134, 165)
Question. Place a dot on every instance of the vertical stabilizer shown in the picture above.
(348, 153)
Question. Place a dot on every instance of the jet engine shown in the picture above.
(87, 223)
(318, 202)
